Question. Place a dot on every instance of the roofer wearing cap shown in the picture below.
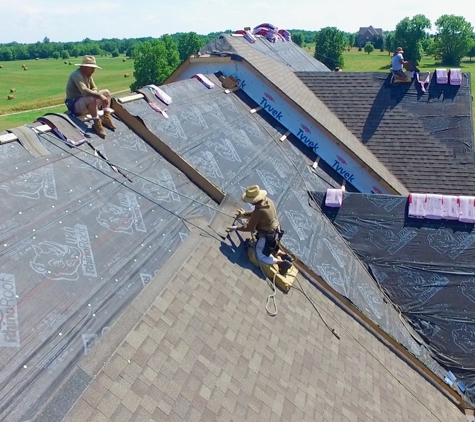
(398, 63)
(263, 219)
(83, 97)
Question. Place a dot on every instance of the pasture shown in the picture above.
(43, 85)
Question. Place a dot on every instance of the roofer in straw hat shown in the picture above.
(83, 97)
(263, 219)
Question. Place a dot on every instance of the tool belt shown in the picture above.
(272, 241)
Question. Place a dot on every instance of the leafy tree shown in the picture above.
(6, 54)
(115, 53)
(297, 38)
(130, 52)
(173, 56)
(308, 36)
(377, 42)
(452, 39)
(329, 46)
(74, 52)
(56, 55)
(46, 40)
(409, 33)
(154, 62)
(389, 42)
(369, 48)
(65, 54)
(428, 46)
(189, 44)
(471, 50)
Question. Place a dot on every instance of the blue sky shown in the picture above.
(31, 20)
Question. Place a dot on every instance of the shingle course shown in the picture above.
(414, 134)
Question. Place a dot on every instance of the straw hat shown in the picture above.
(253, 194)
(88, 61)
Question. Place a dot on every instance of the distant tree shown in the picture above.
(56, 55)
(453, 38)
(329, 46)
(428, 45)
(378, 41)
(471, 50)
(74, 52)
(109, 46)
(65, 54)
(6, 54)
(154, 62)
(46, 40)
(189, 44)
(369, 48)
(115, 53)
(409, 33)
(390, 42)
(20, 51)
(297, 38)
(172, 56)
(130, 52)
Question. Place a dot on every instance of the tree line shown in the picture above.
(47, 49)
(454, 39)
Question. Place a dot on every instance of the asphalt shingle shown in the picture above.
(416, 135)
(242, 364)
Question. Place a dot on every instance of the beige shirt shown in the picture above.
(80, 86)
(263, 218)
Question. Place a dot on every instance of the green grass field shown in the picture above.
(43, 84)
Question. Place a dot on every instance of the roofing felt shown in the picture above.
(80, 241)
(415, 134)
(427, 269)
(234, 148)
(287, 81)
(286, 53)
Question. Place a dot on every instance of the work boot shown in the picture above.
(107, 121)
(284, 267)
(97, 126)
(287, 257)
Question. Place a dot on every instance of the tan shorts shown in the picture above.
(80, 104)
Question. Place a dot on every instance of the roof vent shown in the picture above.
(455, 77)
(441, 76)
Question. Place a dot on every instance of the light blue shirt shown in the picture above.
(396, 61)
